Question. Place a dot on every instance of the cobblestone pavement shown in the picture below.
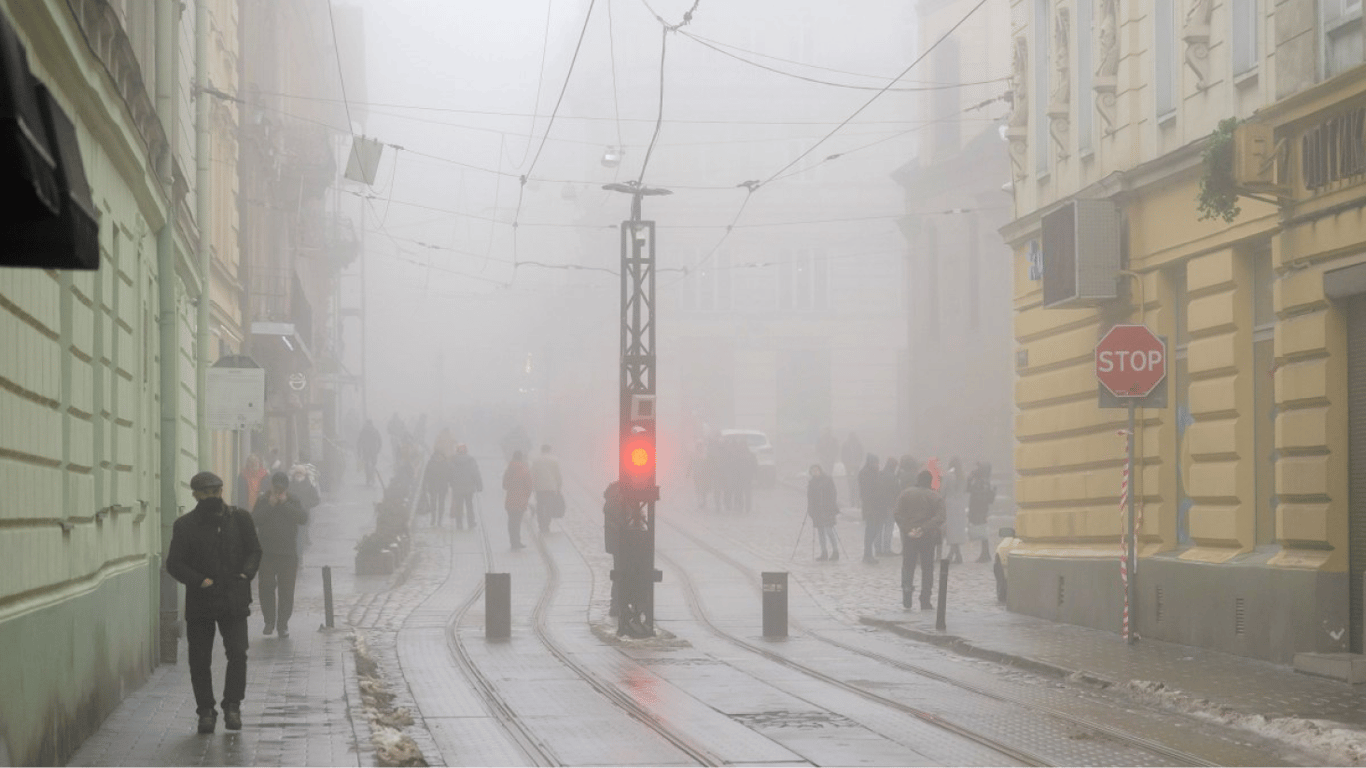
(977, 625)
(301, 695)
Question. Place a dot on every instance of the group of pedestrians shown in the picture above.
(930, 506)
(724, 470)
(522, 481)
(451, 473)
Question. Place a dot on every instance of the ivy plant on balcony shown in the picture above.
(1218, 198)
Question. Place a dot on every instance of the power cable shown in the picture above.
(659, 117)
(540, 80)
(341, 78)
(818, 81)
(612, 51)
(884, 89)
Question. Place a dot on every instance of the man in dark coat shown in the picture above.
(278, 517)
(920, 516)
(465, 482)
(215, 553)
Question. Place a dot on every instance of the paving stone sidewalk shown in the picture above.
(301, 695)
(977, 625)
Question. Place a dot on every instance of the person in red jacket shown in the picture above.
(517, 485)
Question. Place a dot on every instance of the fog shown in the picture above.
(492, 250)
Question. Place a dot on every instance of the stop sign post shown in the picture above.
(1131, 371)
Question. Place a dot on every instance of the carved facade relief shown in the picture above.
(1195, 34)
(1017, 126)
(1059, 102)
(1107, 63)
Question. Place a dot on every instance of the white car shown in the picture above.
(758, 443)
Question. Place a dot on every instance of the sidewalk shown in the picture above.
(1233, 689)
(300, 690)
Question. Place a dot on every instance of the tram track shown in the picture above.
(754, 580)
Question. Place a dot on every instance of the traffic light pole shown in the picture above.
(635, 569)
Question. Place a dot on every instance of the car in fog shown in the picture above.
(758, 444)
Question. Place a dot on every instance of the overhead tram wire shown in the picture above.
(540, 81)
(884, 89)
(341, 77)
(587, 17)
(752, 185)
(612, 52)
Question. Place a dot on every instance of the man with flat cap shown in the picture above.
(278, 516)
(215, 553)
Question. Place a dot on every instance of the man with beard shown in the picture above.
(214, 552)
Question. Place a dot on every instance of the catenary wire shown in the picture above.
(341, 78)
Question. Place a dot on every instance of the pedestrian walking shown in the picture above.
(823, 509)
(889, 490)
(548, 485)
(517, 494)
(248, 485)
(875, 511)
(827, 450)
(614, 519)
(436, 483)
(278, 516)
(981, 493)
(465, 482)
(919, 515)
(214, 552)
(368, 446)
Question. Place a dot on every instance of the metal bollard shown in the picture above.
(327, 595)
(775, 603)
(497, 606)
(939, 622)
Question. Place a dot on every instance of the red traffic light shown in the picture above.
(638, 455)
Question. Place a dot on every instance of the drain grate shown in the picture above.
(800, 720)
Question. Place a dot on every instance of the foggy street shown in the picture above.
(845, 687)
(683, 382)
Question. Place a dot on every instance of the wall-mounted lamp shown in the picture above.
(288, 344)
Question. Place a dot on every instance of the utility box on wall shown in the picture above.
(1081, 258)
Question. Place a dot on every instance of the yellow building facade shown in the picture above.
(1251, 539)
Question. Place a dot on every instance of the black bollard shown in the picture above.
(939, 622)
(327, 594)
(497, 606)
(775, 603)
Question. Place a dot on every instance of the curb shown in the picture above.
(968, 648)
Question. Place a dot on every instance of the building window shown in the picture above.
(1085, 76)
(1244, 35)
(1042, 64)
(1164, 57)
(710, 287)
(1342, 45)
(1264, 394)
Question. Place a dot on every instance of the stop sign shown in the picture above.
(1130, 360)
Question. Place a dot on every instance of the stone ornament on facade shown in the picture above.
(1059, 102)
(1017, 125)
(1196, 36)
(1107, 63)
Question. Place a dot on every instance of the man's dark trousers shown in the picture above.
(199, 634)
(277, 572)
(921, 550)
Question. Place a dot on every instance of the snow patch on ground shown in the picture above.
(1331, 742)
(392, 746)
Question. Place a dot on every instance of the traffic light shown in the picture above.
(638, 457)
(638, 450)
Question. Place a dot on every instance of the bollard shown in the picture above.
(497, 606)
(939, 622)
(775, 603)
(327, 594)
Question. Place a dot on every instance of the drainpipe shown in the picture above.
(167, 64)
(201, 217)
